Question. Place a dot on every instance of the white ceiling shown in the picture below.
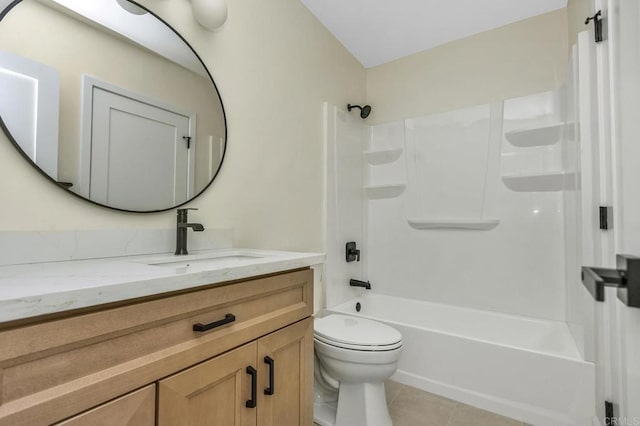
(379, 31)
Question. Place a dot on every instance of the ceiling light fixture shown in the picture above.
(211, 14)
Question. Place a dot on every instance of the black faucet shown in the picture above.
(358, 283)
(181, 230)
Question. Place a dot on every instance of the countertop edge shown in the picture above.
(18, 307)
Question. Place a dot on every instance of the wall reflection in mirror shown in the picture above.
(110, 102)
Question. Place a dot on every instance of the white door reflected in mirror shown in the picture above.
(124, 131)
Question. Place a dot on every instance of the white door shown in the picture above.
(624, 46)
(587, 317)
(34, 126)
(609, 134)
(140, 159)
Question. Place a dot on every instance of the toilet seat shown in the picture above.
(357, 334)
(352, 347)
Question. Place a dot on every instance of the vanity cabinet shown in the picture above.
(264, 383)
(129, 363)
(285, 360)
(135, 409)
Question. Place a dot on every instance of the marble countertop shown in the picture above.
(43, 288)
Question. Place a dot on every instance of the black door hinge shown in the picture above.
(606, 217)
(597, 25)
(608, 413)
(188, 139)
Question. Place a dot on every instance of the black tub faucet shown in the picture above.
(357, 283)
(181, 230)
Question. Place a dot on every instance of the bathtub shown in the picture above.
(524, 368)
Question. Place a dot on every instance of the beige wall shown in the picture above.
(274, 64)
(577, 12)
(518, 59)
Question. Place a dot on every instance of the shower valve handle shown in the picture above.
(352, 253)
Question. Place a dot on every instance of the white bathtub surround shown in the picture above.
(19, 247)
(524, 368)
(44, 288)
(537, 129)
(471, 261)
(457, 234)
(377, 192)
(344, 136)
(541, 135)
(467, 224)
(447, 162)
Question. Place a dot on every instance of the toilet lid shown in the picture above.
(355, 331)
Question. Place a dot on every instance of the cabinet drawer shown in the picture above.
(50, 371)
(135, 409)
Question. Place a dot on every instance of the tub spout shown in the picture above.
(358, 283)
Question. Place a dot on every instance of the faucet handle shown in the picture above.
(352, 253)
(185, 210)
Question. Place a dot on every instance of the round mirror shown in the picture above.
(109, 102)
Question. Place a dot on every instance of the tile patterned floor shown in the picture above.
(412, 407)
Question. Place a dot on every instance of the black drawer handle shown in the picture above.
(254, 387)
(229, 318)
(272, 366)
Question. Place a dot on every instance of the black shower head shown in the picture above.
(364, 110)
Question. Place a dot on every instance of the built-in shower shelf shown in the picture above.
(386, 156)
(540, 136)
(468, 224)
(539, 182)
(375, 192)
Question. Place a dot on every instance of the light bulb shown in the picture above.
(211, 14)
(131, 8)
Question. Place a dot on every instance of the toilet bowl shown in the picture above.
(354, 356)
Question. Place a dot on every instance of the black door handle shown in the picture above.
(272, 366)
(626, 278)
(199, 327)
(254, 387)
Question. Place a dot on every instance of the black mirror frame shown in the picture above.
(6, 11)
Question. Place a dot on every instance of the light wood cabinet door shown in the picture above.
(285, 390)
(135, 409)
(213, 393)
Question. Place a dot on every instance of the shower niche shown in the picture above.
(534, 129)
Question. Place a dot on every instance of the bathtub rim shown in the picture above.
(576, 358)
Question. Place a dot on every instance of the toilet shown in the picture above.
(353, 358)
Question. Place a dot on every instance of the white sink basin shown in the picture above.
(203, 263)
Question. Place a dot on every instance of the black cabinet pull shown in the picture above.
(272, 366)
(229, 318)
(254, 387)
